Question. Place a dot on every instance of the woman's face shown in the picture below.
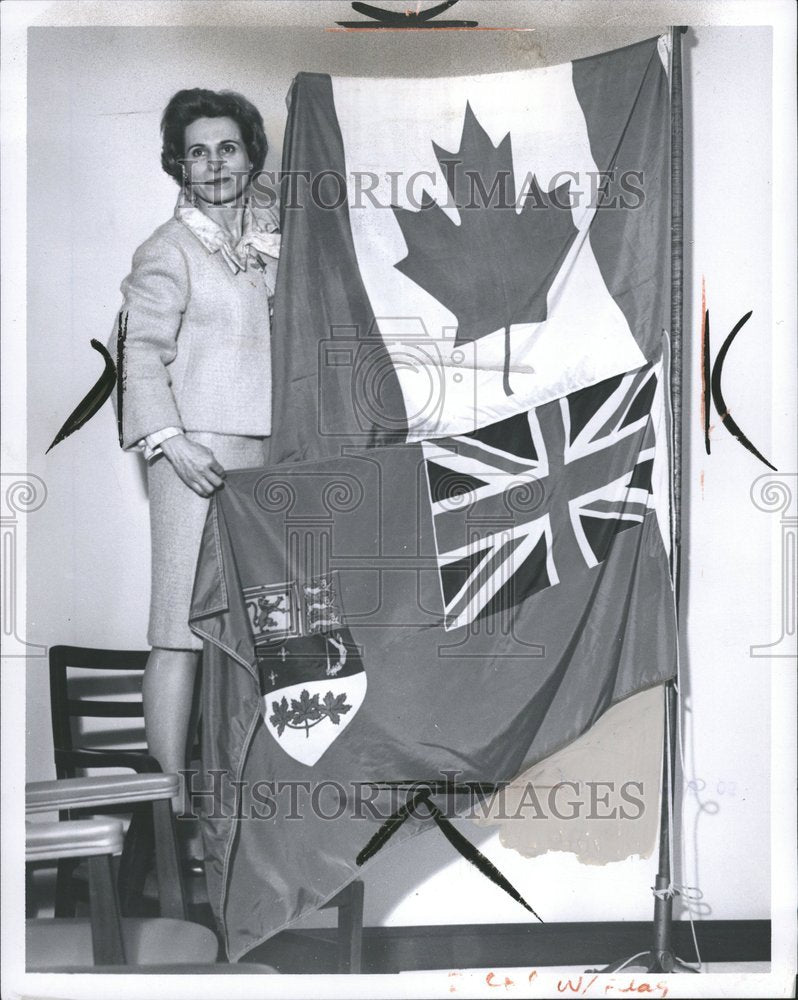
(216, 161)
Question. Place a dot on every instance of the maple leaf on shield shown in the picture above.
(308, 712)
(335, 707)
(496, 267)
(307, 709)
(281, 717)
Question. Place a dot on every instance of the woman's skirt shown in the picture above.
(177, 517)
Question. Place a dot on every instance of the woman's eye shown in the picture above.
(229, 148)
(196, 153)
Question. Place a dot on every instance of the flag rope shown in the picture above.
(689, 893)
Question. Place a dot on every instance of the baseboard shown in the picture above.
(463, 946)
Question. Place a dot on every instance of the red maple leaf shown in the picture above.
(495, 268)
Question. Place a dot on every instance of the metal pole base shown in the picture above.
(655, 962)
(660, 958)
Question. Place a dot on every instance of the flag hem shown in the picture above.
(236, 956)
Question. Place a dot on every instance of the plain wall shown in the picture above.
(96, 191)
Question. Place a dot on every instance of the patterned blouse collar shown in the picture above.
(258, 238)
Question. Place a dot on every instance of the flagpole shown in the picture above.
(677, 287)
(661, 957)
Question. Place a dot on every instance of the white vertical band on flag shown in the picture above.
(388, 128)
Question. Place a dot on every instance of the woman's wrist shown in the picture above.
(172, 443)
(151, 443)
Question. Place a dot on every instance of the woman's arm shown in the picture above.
(155, 297)
(156, 294)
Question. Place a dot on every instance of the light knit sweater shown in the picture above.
(196, 351)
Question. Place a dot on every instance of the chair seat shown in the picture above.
(66, 942)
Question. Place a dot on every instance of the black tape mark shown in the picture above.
(121, 335)
(720, 403)
(92, 401)
(460, 843)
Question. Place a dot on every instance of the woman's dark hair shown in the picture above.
(189, 105)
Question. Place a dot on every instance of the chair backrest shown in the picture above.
(75, 696)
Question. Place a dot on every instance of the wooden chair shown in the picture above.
(116, 694)
(106, 942)
(74, 699)
(107, 938)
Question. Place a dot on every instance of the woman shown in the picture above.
(195, 368)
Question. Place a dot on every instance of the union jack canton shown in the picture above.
(522, 502)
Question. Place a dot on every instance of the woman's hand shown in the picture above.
(194, 463)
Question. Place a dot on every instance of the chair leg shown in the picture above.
(30, 900)
(65, 901)
(171, 892)
(106, 924)
(136, 862)
(350, 929)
